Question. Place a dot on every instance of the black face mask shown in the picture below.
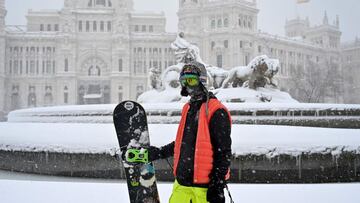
(196, 93)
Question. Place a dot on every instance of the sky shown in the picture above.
(272, 15)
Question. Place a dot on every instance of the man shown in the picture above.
(202, 149)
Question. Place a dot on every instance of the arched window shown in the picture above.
(94, 71)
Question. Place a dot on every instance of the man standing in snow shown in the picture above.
(202, 149)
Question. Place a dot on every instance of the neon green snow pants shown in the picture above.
(183, 194)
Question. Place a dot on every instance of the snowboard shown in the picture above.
(132, 132)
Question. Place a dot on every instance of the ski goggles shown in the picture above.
(189, 80)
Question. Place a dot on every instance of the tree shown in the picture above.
(319, 82)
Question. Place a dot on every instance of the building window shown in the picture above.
(109, 26)
(66, 66)
(143, 28)
(102, 26)
(10, 67)
(120, 65)
(56, 27)
(31, 97)
(226, 43)
(246, 59)
(241, 44)
(139, 90)
(49, 27)
(80, 26)
(136, 28)
(259, 49)
(42, 27)
(213, 24)
(66, 95)
(94, 26)
(100, 2)
(219, 60)
(151, 28)
(226, 22)
(212, 45)
(219, 24)
(120, 94)
(87, 26)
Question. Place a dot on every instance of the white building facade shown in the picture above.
(228, 36)
(89, 52)
(100, 51)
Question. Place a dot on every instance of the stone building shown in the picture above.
(89, 52)
(351, 70)
(100, 51)
(228, 36)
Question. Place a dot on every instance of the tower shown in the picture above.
(2, 57)
(326, 35)
(296, 27)
(190, 18)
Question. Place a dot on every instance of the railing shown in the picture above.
(310, 115)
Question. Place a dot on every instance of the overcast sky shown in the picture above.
(272, 16)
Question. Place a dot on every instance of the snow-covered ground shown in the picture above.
(101, 138)
(22, 188)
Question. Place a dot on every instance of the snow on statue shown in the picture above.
(252, 83)
(259, 73)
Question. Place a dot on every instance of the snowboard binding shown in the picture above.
(137, 156)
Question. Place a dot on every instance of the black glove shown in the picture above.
(215, 193)
(154, 153)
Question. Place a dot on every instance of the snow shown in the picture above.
(16, 188)
(247, 139)
(103, 113)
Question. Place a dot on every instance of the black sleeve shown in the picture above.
(167, 150)
(220, 130)
(161, 153)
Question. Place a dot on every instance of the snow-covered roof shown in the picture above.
(288, 40)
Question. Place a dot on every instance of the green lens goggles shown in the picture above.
(189, 80)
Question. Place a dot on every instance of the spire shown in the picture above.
(337, 23)
(326, 19)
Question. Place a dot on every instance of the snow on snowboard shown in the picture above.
(133, 137)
